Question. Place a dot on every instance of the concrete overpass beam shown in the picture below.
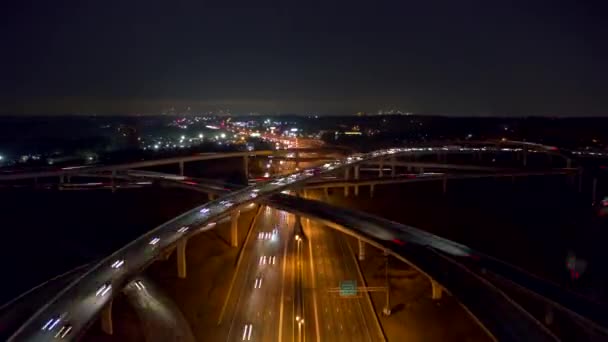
(181, 258)
(436, 290)
(361, 250)
(106, 319)
(234, 228)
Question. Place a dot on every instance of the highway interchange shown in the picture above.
(78, 304)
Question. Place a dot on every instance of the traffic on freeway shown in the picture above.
(80, 302)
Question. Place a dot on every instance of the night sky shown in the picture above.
(431, 57)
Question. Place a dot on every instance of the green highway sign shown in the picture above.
(348, 288)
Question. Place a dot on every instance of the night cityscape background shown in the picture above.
(283, 171)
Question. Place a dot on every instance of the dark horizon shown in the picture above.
(438, 57)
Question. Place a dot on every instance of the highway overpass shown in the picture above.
(85, 299)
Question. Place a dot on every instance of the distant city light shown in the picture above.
(294, 129)
(1, 157)
(223, 135)
(200, 135)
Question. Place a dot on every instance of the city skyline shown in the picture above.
(435, 57)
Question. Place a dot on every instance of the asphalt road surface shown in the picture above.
(263, 288)
(339, 318)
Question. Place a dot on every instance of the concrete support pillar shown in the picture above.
(512, 179)
(361, 250)
(524, 157)
(326, 193)
(347, 173)
(181, 168)
(436, 290)
(421, 170)
(580, 179)
(234, 228)
(61, 179)
(106, 319)
(371, 191)
(381, 168)
(445, 184)
(210, 196)
(69, 178)
(393, 167)
(568, 162)
(246, 167)
(181, 258)
(346, 191)
(357, 178)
